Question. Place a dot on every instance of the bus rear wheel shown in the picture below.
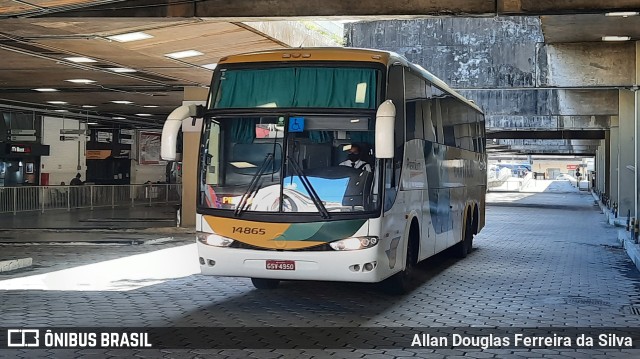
(262, 283)
(464, 247)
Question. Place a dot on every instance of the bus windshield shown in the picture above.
(286, 163)
(296, 87)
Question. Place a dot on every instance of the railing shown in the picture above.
(44, 198)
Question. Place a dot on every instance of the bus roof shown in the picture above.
(386, 58)
(311, 54)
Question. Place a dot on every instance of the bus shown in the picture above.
(279, 194)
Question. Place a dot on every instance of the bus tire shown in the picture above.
(262, 283)
(462, 248)
(400, 283)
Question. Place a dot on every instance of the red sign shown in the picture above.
(572, 167)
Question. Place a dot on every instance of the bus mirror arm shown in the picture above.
(385, 123)
(171, 129)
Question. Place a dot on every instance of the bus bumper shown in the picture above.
(365, 265)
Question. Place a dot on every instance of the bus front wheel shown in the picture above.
(262, 283)
(400, 283)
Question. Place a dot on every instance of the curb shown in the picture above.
(632, 249)
(14, 264)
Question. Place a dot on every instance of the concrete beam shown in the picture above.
(278, 9)
(583, 65)
(548, 135)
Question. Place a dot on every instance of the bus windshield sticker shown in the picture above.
(296, 124)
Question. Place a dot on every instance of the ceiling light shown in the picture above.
(92, 123)
(143, 114)
(61, 111)
(45, 90)
(210, 66)
(132, 36)
(57, 102)
(122, 102)
(616, 38)
(623, 13)
(118, 118)
(184, 54)
(80, 59)
(150, 106)
(81, 81)
(88, 106)
(120, 69)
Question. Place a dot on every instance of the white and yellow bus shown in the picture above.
(333, 164)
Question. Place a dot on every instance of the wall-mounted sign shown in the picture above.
(572, 167)
(128, 132)
(14, 131)
(72, 132)
(105, 137)
(20, 149)
(97, 154)
(25, 138)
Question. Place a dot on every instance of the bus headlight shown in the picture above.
(213, 239)
(354, 243)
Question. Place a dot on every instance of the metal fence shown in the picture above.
(44, 198)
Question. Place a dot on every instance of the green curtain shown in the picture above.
(298, 87)
(320, 136)
(243, 130)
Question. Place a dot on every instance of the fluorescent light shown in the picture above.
(46, 90)
(131, 36)
(88, 106)
(623, 13)
(81, 81)
(184, 54)
(143, 114)
(92, 123)
(122, 102)
(118, 118)
(80, 59)
(120, 69)
(210, 66)
(150, 106)
(57, 102)
(61, 111)
(616, 38)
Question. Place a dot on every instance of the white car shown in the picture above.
(566, 177)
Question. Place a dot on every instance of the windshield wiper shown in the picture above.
(307, 185)
(253, 185)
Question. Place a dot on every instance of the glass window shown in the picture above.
(251, 164)
(325, 87)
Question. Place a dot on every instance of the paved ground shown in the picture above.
(161, 215)
(534, 265)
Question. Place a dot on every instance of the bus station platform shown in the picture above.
(534, 265)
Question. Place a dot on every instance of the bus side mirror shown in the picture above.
(385, 124)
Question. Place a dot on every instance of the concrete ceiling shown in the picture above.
(588, 27)
(277, 9)
(33, 56)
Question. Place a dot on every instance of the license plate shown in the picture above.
(280, 265)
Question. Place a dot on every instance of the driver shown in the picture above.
(355, 159)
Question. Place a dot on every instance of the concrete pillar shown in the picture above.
(637, 133)
(614, 146)
(601, 168)
(606, 163)
(626, 153)
(190, 146)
